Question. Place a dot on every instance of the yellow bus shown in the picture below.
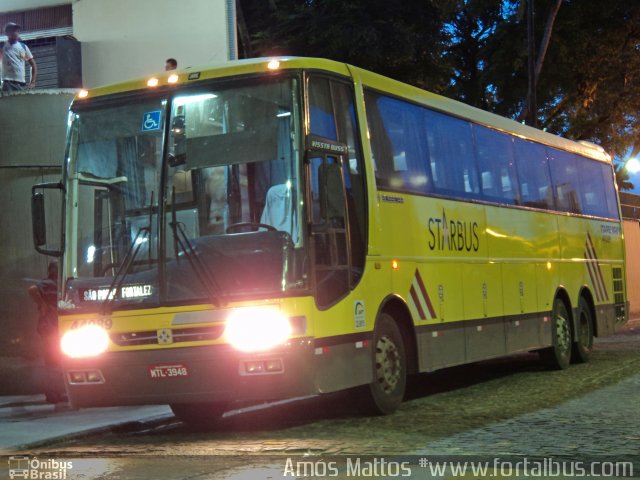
(272, 228)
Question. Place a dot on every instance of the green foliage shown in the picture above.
(622, 177)
(476, 51)
(591, 83)
(403, 40)
(472, 27)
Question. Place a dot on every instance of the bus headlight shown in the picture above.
(86, 341)
(257, 329)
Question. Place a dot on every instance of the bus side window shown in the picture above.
(494, 151)
(452, 156)
(610, 191)
(322, 121)
(397, 143)
(593, 193)
(564, 175)
(533, 174)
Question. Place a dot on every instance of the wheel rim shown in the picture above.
(563, 334)
(585, 332)
(388, 367)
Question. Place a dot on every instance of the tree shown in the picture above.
(622, 177)
(403, 40)
(599, 87)
(588, 81)
(470, 27)
(541, 55)
(243, 32)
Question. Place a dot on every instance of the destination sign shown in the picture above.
(126, 292)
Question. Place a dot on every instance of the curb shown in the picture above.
(122, 427)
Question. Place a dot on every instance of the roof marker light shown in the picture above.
(152, 82)
(83, 94)
(273, 65)
(173, 78)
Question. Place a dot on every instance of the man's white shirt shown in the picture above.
(14, 57)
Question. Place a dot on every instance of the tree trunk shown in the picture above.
(531, 114)
(546, 38)
(243, 31)
(544, 45)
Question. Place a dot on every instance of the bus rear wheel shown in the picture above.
(204, 414)
(584, 333)
(385, 393)
(558, 355)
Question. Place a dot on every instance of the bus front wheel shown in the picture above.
(558, 355)
(584, 333)
(385, 393)
(199, 414)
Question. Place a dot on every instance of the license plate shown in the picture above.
(168, 371)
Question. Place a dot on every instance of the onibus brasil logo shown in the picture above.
(23, 466)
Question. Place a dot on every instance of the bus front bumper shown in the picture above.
(214, 373)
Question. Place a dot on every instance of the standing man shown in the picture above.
(45, 295)
(14, 55)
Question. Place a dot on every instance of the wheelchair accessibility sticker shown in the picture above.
(151, 121)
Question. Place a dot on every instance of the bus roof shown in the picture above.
(368, 79)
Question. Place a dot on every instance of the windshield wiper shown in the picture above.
(181, 240)
(124, 267)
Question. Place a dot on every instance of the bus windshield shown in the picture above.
(228, 195)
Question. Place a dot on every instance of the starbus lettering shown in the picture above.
(453, 235)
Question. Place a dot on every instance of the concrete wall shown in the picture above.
(13, 5)
(632, 243)
(32, 134)
(124, 39)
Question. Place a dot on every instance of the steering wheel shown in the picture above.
(237, 226)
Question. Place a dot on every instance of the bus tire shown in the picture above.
(385, 393)
(558, 355)
(204, 414)
(583, 345)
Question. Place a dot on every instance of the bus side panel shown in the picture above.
(441, 346)
(343, 355)
(604, 244)
(441, 337)
(523, 324)
(418, 234)
(484, 325)
(519, 240)
(547, 281)
(570, 264)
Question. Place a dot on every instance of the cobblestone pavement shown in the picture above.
(596, 424)
(509, 406)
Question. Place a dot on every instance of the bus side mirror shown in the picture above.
(38, 220)
(38, 216)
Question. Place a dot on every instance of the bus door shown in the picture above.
(329, 232)
(336, 191)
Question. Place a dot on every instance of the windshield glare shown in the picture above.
(230, 199)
